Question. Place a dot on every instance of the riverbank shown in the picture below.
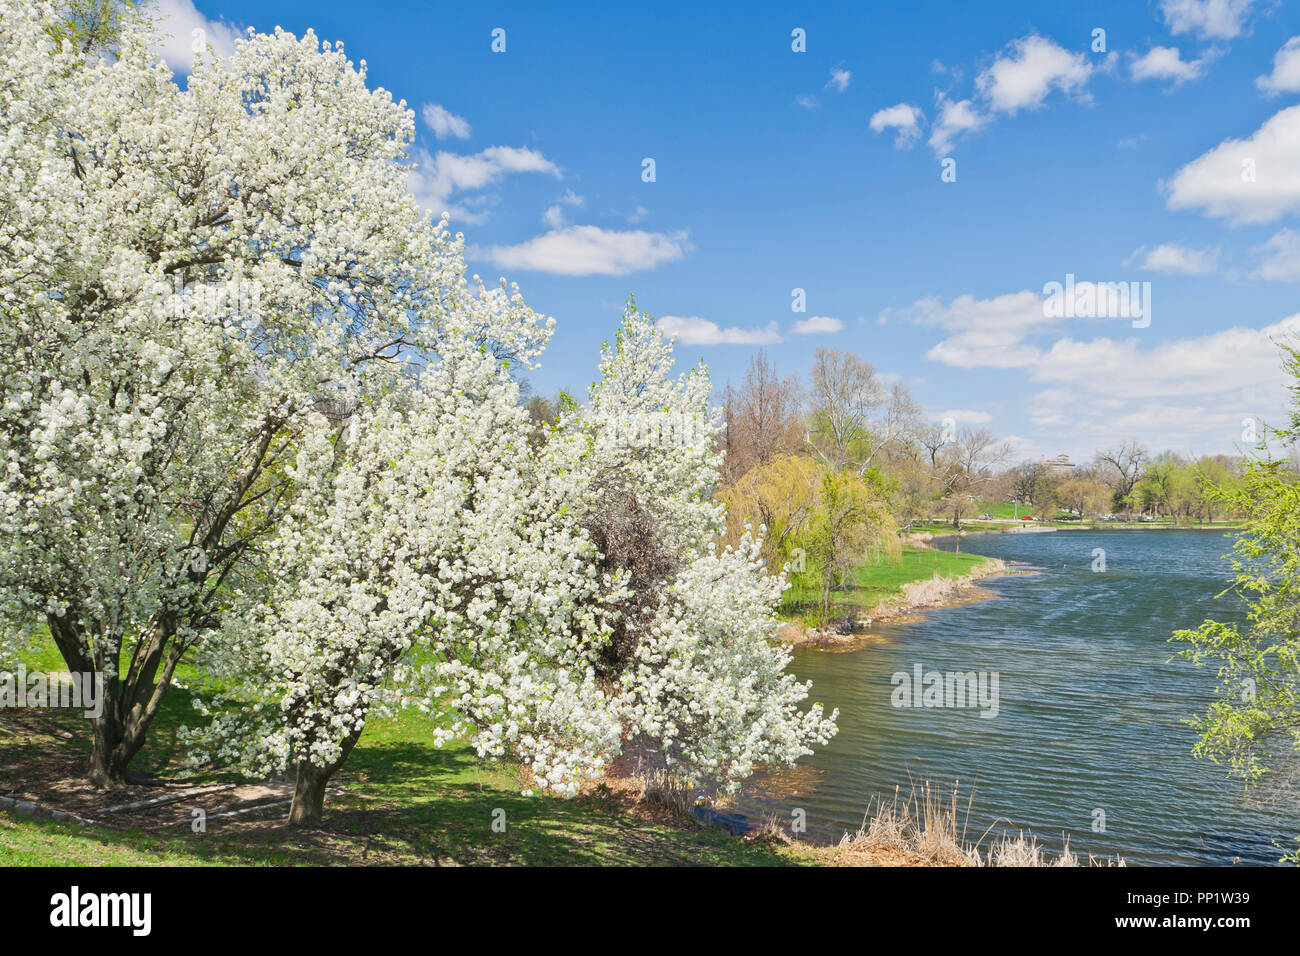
(926, 533)
(925, 578)
(1088, 689)
(401, 801)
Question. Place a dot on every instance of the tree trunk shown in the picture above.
(107, 768)
(129, 701)
(308, 795)
(308, 805)
(112, 747)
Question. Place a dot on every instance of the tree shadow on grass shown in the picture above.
(396, 802)
(447, 806)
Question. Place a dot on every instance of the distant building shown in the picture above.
(1060, 465)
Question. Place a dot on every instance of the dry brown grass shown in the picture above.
(662, 789)
(928, 828)
(921, 830)
(941, 590)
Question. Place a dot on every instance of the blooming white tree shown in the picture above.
(193, 282)
(557, 600)
(697, 683)
(707, 687)
(252, 408)
(424, 562)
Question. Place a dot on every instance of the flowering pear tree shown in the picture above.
(194, 283)
(556, 600)
(422, 564)
(698, 685)
(253, 411)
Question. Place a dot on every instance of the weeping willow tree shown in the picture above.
(822, 523)
(782, 497)
(851, 527)
(1253, 727)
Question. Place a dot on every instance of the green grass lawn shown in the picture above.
(1007, 513)
(945, 527)
(404, 802)
(877, 582)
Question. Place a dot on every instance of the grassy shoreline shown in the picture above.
(402, 800)
(924, 577)
(407, 803)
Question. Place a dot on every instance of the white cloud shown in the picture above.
(1033, 67)
(1165, 63)
(989, 332)
(444, 122)
(966, 416)
(817, 325)
(1283, 262)
(590, 250)
(180, 27)
(1285, 77)
(555, 216)
(1190, 392)
(693, 330)
(1207, 19)
(807, 102)
(1173, 258)
(903, 117)
(955, 118)
(839, 79)
(1217, 182)
(436, 179)
(999, 332)
(1028, 70)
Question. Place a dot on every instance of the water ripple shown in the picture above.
(1090, 708)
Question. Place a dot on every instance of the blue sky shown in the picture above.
(820, 170)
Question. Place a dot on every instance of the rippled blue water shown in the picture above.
(1090, 708)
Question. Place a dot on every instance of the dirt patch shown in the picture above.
(800, 636)
(45, 768)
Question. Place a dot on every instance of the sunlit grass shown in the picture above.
(402, 801)
(879, 581)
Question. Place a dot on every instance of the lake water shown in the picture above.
(1089, 709)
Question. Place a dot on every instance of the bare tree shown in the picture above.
(1125, 468)
(853, 415)
(763, 418)
(967, 464)
(902, 423)
(845, 391)
(932, 441)
(1024, 483)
